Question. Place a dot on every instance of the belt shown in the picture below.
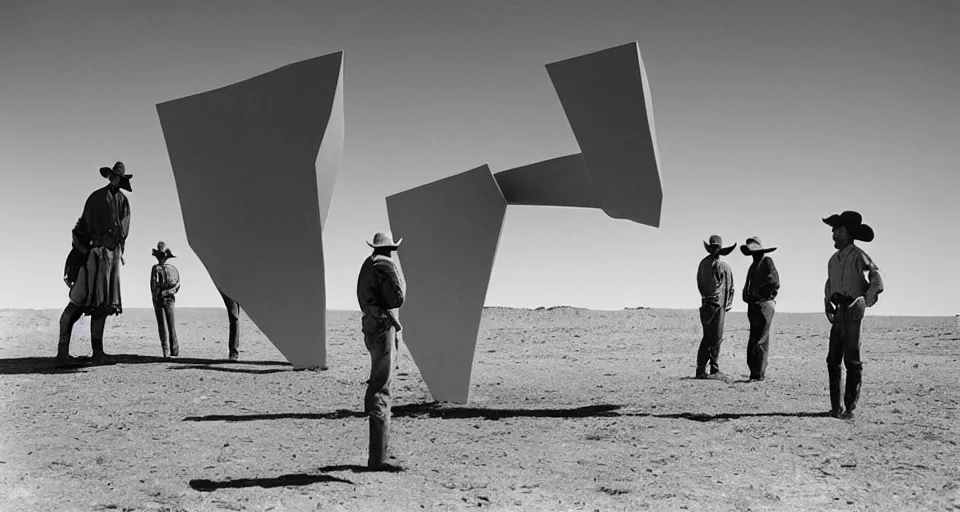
(841, 300)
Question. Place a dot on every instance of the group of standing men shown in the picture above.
(92, 272)
(847, 294)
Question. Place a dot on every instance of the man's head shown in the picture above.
(754, 247)
(118, 176)
(383, 244)
(162, 252)
(847, 227)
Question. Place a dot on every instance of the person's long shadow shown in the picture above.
(47, 365)
(730, 416)
(231, 370)
(429, 410)
(293, 479)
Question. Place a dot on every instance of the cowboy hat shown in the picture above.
(853, 221)
(162, 250)
(384, 241)
(753, 245)
(716, 245)
(120, 171)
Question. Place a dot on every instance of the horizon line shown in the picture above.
(544, 308)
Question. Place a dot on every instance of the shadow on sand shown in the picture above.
(435, 410)
(232, 370)
(46, 365)
(429, 410)
(294, 479)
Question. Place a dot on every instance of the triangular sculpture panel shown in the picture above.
(255, 164)
(606, 98)
(450, 230)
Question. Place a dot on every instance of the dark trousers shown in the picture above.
(68, 318)
(760, 315)
(166, 323)
(382, 346)
(845, 348)
(233, 316)
(711, 318)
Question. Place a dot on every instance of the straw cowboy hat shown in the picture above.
(853, 221)
(716, 245)
(753, 245)
(119, 171)
(162, 250)
(384, 241)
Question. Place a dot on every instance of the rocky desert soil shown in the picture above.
(569, 410)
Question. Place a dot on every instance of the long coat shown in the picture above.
(100, 234)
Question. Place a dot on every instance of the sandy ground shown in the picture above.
(569, 410)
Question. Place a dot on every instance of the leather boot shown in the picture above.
(836, 379)
(98, 355)
(852, 394)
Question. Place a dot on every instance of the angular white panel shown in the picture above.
(255, 164)
(450, 230)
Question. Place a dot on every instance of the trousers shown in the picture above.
(166, 323)
(760, 315)
(845, 348)
(233, 316)
(382, 346)
(68, 318)
(712, 318)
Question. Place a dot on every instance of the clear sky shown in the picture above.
(769, 116)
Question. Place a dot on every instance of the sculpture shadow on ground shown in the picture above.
(48, 365)
(430, 410)
(289, 480)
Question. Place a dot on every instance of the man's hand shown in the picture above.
(858, 307)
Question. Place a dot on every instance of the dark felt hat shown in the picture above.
(853, 221)
(715, 245)
(163, 250)
(120, 171)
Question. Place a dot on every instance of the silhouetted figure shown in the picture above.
(92, 270)
(715, 281)
(380, 292)
(233, 316)
(760, 294)
(847, 295)
(164, 285)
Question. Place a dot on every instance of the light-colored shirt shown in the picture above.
(715, 281)
(845, 275)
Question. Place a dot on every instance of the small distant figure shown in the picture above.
(164, 285)
(715, 281)
(92, 269)
(847, 295)
(233, 316)
(380, 292)
(760, 294)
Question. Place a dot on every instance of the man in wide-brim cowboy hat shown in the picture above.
(164, 285)
(99, 237)
(380, 292)
(760, 293)
(715, 282)
(847, 294)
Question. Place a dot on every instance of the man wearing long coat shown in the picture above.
(92, 271)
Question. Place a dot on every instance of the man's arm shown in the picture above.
(731, 287)
(771, 278)
(124, 226)
(876, 280)
(153, 281)
(392, 285)
(173, 281)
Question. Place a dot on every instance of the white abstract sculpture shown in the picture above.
(255, 165)
(451, 227)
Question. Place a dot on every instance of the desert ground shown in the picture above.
(569, 409)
